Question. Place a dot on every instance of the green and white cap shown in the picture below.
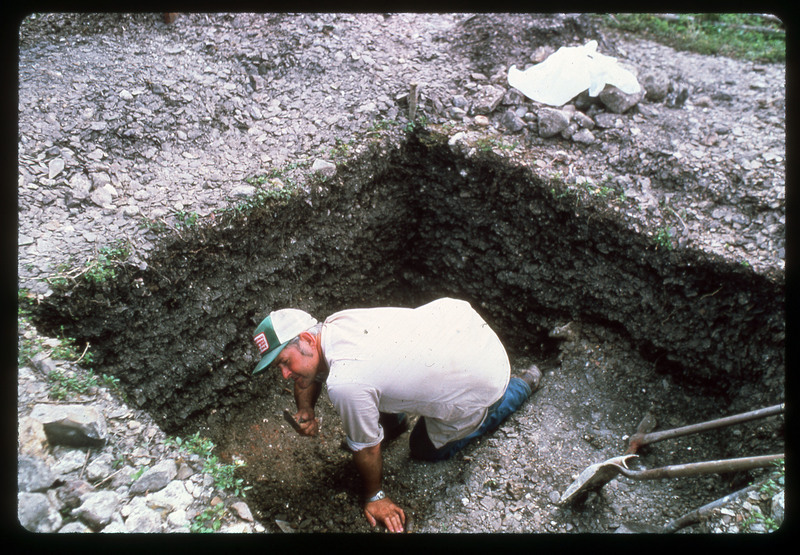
(276, 330)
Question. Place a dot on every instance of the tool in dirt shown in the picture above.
(692, 517)
(292, 422)
(642, 437)
(597, 475)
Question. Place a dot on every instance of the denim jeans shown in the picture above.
(421, 447)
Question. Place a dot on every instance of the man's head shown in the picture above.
(277, 330)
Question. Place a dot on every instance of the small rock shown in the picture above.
(155, 477)
(125, 95)
(512, 121)
(323, 167)
(130, 210)
(655, 84)
(242, 510)
(617, 101)
(32, 439)
(604, 120)
(80, 186)
(778, 507)
(55, 167)
(460, 101)
(98, 508)
(482, 121)
(583, 120)
(243, 191)
(583, 136)
(115, 528)
(487, 99)
(69, 461)
(102, 197)
(75, 528)
(551, 122)
(99, 467)
(73, 493)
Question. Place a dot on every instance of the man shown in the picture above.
(440, 361)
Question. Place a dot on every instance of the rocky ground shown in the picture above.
(129, 128)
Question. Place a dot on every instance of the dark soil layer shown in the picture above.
(401, 225)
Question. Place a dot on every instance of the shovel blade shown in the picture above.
(595, 477)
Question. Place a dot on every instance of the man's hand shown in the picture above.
(309, 426)
(387, 513)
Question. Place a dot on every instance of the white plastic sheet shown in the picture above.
(568, 72)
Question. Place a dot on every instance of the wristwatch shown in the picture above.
(377, 497)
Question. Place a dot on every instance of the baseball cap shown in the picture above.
(276, 330)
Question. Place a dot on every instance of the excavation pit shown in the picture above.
(685, 334)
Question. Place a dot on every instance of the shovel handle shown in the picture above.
(653, 437)
(707, 467)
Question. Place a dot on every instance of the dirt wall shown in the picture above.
(401, 225)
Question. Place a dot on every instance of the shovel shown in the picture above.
(597, 475)
(641, 438)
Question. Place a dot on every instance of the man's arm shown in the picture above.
(306, 400)
(369, 462)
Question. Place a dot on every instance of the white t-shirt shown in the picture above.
(440, 360)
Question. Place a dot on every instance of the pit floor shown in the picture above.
(593, 396)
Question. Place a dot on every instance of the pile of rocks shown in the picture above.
(92, 464)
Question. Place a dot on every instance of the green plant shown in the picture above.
(154, 224)
(103, 267)
(419, 121)
(776, 480)
(341, 149)
(381, 125)
(757, 517)
(756, 37)
(138, 474)
(223, 474)
(210, 520)
(186, 219)
(64, 383)
(663, 238)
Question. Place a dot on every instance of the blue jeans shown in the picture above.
(421, 447)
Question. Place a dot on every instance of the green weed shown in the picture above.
(62, 384)
(209, 521)
(745, 36)
(663, 238)
(104, 266)
(223, 474)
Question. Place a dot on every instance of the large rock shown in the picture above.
(32, 439)
(173, 497)
(98, 508)
(37, 514)
(33, 475)
(143, 520)
(72, 425)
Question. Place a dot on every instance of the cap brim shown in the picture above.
(268, 358)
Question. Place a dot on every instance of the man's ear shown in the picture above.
(309, 338)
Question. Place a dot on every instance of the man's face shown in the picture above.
(298, 362)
